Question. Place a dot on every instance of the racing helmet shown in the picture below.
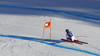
(67, 30)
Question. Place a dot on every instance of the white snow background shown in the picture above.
(22, 21)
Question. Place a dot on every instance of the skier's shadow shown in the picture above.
(31, 38)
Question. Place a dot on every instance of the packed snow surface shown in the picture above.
(22, 22)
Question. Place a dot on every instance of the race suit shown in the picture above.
(71, 36)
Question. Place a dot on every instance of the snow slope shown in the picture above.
(21, 22)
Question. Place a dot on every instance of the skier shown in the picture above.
(70, 36)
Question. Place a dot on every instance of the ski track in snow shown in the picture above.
(52, 44)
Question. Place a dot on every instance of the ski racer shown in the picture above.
(70, 36)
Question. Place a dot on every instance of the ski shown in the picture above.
(80, 42)
(83, 42)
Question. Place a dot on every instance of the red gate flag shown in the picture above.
(47, 25)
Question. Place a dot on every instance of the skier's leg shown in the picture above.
(69, 39)
(73, 38)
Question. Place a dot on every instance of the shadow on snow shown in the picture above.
(32, 38)
(51, 44)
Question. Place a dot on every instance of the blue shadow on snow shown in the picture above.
(52, 44)
(51, 10)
